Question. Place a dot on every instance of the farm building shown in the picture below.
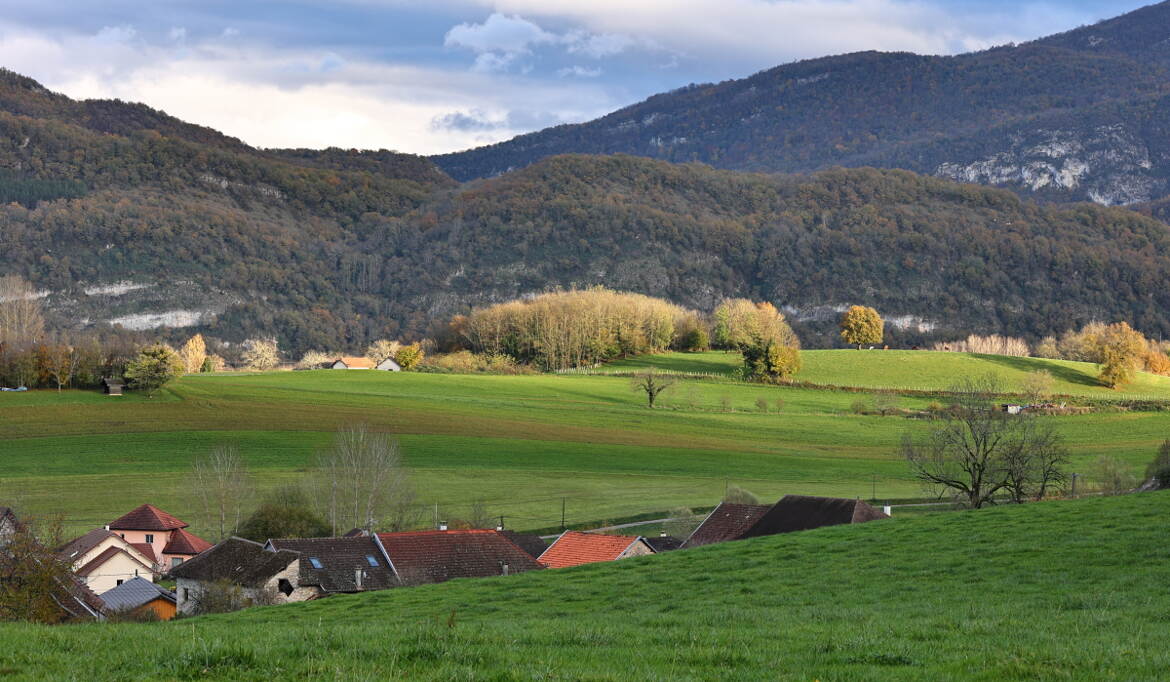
(726, 522)
(389, 365)
(103, 560)
(434, 556)
(138, 596)
(254, 574)
(574, 548)
(337, 565)
(352, 363)
(664, 543)
(791, 513)
(160, 535)
(112, 386)
(533, 544)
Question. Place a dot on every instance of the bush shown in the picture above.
(762, 404)
(1159, 470)
(154, 367)
(738, 495)
(859, 406)
(410, 357)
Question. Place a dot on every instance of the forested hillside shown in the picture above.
(1078, 116)
(335, 248)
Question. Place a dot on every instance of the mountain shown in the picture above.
(138, 219)
(1082, 115)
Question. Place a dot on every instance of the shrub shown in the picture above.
(738, 495)
(1159, 470)
(409, 357)
(154, 367)
(762, 404)
(987, 345)
(859, 406)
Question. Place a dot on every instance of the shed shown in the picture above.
(574, 548)
(389, 365)
(111, 386)
(140, 595)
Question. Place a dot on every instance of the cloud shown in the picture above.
(599, 46)
(500, 34)
(579, 71)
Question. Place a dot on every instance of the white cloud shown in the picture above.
(579, 71)
(599, 46)
(499, 34)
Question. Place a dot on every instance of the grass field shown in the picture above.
(1051, 591)
(524, 444)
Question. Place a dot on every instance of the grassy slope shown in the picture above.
(1052, 591)
(520, 443)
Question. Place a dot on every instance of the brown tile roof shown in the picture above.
(101, 559)
(146, 548)
(804, 512)
(533, 544)
(185, 544)
(147, 517)
(340, 559)
(236, 560)
(79, 546)
(726, 522)
(437, 555)
(352, 362)
(574, 548)
(663, 543)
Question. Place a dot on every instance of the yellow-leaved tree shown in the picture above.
(861, 325)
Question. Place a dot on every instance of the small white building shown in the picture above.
(389, 365)
(345, 362)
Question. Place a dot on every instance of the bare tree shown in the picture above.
(652, 384)
(682, 523)
(976, 450)
(363, 480)
(21, 321)
(1036, 464)
(478, 515)
(61, 363)
(224, 487)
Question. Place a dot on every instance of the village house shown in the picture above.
(335, 566)
(534, 545)
(352, 362)
(102, 560)
(238, 571)
(434, 556)
(139, 596)
(159, 535)
(791, 513)
(574, 548)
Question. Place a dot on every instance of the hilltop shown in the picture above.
(1073, 117)
(838, 603)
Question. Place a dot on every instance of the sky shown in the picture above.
(435, 76)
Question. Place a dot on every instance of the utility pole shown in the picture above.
(1074, 485)
(873, 493)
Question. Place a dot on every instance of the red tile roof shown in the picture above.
(186, 544)
(574, 548)
(147, 550)
(436, 555)
(83, 544)
(354, 362)
(147, 517)
(100, 560)
(726, 522)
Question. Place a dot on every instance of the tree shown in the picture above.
(682, 523)
(21, 321)
(479, 517)
(35, 581)
(223, 486)
(652, 383)
(61, 363)
(261, 354)
(738, 495)
(1037, 386)
(212, 363)
(1033, 471)
(1159, 470)
(382, 349)
(154, 367)
(771, 362)
(1122, 351)
(193, 353)
(362, 479)
(315, 359)
(409, 357)
(1112, 476)
(696, 340)
(975, 450)
(861, 325)
(286, 513)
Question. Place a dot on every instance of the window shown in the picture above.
(315, 562)
(372, 560)
(186, 594)
(175, 561)
(118, 581)
(149, 539)
(284, 586)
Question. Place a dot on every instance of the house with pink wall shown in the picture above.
(161, 536)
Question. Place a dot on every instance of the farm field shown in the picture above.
(860, 602)
(525, 445)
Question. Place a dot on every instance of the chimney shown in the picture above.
(442, 525)
(106, 527)
(662, 534)
(357, 578)
(505, 569)
(499, 528)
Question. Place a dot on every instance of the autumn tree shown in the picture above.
(261, 354)
(193, 353)
(223, 486)
(652, 383)
(21, 320)
(861, 325)
(36, 583)
(381, 350)
(212, 363)
(1122, 350)
(1037, 385)
(976, 451)
(771, 362)
(61, 363)
(154, 367)
(409, 357)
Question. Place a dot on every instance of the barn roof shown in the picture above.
(339, 560)
(728, 521)
(353, 361)
(574, 548)
(186, 544)
(533, 544)
(663, 543)
(134, 593)
(236, 560)
(804, 512)
(147, 517)
(437, 555)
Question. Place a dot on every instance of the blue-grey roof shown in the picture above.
(134, 593)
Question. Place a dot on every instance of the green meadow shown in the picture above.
(1069, 590)
(528, 446)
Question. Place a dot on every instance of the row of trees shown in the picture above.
(1120, 350)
